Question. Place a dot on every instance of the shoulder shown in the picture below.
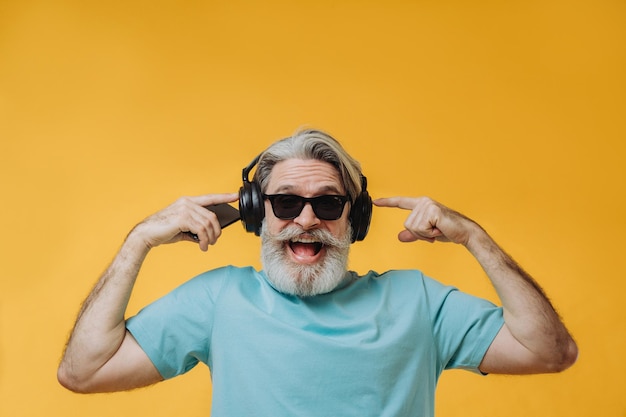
(211, 283)
(410, 278)
(411, 283)
(413, 286)
(224, 272)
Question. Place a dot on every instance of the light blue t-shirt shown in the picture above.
(373, 347)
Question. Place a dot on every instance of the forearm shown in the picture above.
(100, 326)
(101, 355)
(528, 314)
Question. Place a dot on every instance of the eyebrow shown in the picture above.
(322, 190)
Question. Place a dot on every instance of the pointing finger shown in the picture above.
(405, 203)
(210, 199)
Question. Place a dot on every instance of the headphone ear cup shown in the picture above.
(251, 207)
(361, 216)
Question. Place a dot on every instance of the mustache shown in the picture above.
(323, 236)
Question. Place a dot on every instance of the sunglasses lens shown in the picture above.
(328, 207)
(287, 206)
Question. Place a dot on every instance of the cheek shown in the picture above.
(273, 224)
(339, 227)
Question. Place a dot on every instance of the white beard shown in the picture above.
(301, 280)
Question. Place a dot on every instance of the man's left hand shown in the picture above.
(430, 220)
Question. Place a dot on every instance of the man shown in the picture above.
(305, 336)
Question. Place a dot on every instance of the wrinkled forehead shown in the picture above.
(305, 176)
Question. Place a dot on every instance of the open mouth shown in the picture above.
(304, 247)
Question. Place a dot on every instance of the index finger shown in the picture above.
(406, 203)
(211, 199)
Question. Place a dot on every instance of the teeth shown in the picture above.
(304, 240)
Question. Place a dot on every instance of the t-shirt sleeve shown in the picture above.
(175, 330)
(464, 326)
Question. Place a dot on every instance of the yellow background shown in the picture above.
(510, 112)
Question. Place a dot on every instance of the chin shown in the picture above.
(304, 276)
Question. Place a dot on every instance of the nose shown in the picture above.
(307, 219)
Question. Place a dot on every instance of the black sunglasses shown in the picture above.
(289, 206)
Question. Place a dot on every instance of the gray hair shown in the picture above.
(311, 144)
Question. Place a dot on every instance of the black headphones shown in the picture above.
(252, 206)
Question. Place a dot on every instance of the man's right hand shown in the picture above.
(186, 217)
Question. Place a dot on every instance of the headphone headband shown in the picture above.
(246, 171)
